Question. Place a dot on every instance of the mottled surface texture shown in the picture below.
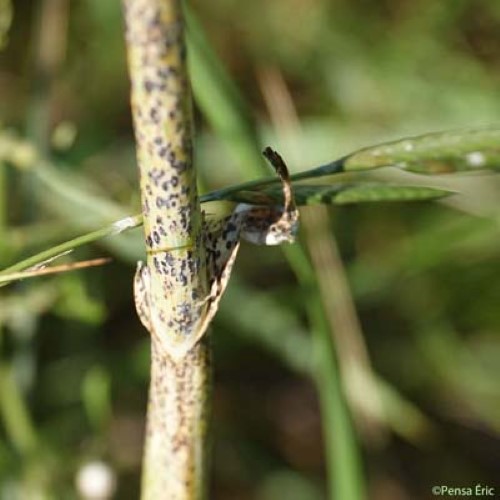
(189, 259)
(175, 460)
(171, 287)
(172, 219)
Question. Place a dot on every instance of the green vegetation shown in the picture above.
(313, 398)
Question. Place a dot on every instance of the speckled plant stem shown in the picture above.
(174, 464)
(174, 278)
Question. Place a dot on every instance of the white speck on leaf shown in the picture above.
(475, 159)
(123, 224)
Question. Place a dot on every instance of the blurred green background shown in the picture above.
(424, 277)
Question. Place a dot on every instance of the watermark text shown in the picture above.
(477, 490)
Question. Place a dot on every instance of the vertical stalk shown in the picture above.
(3, 207)
(343, 458)
(50, 29)
(343, 464)
(343, 461)
(173, 283)
(175, 462)
(18, 424)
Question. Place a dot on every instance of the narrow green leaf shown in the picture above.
(383, 192)
(340, 194)
(438, 153)
(219, 98)
(68, 246)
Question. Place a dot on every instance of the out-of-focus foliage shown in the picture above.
(425, 276)
(5, 20)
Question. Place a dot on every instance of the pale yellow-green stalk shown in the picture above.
(174, 278)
